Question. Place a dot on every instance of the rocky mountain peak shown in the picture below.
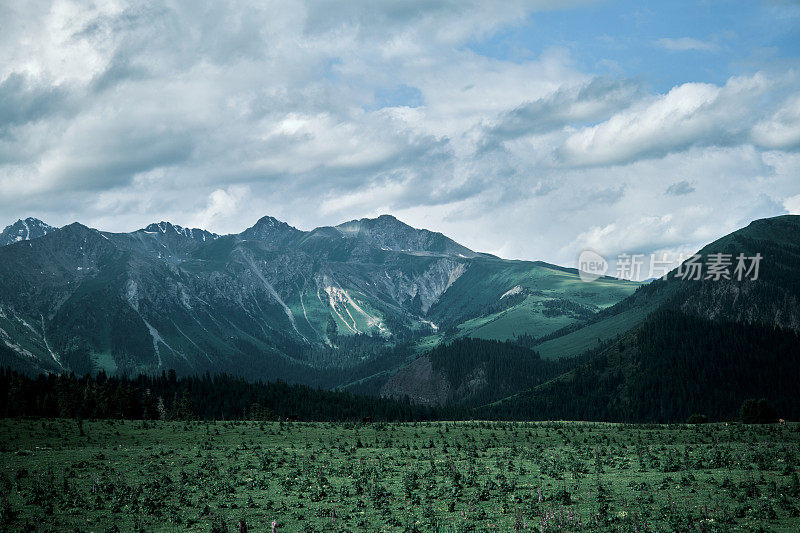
(389, 233)
(24, 230)
(170, 229)
(271, 230)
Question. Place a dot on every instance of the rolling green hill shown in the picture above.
(501, 300)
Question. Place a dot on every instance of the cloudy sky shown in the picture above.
(532, 131)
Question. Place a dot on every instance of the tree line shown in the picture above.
(167, 396)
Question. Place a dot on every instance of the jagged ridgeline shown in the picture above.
(339, 305)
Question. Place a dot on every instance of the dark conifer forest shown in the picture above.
(219, 397)
(670, 367)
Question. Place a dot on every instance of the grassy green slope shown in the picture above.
(500, 300)
(588, 337)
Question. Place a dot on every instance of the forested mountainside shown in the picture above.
(667, 368)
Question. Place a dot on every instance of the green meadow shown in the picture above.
(66, 475)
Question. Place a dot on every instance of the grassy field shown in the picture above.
(59, 475)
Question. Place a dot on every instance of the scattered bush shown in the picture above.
(757, 412)
(697, 418)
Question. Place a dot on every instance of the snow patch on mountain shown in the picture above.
(340, 298)
(157, 338)
(47, 345)
(40, 335)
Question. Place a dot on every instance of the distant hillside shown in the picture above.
(772, 299)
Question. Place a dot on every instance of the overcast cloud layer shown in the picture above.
(516, 131)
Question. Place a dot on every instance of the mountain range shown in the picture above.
(377, 306)
(271, 301)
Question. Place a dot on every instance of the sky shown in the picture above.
(531, 130)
